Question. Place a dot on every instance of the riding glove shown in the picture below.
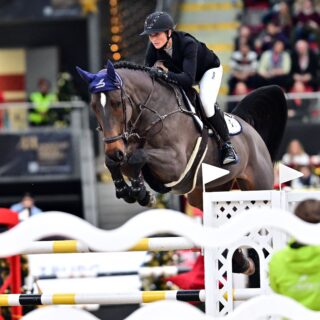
(158, 73)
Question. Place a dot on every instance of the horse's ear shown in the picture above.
(85, 75)
(110, 70)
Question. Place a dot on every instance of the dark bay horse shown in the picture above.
(150, 135)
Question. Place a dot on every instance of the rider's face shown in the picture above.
(158, 39)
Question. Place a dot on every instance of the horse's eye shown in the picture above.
(99, 128)
(116, 105)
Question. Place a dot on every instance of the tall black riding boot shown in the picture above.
(218, 123)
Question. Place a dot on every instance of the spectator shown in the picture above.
(244, 65)
(294, 270)
(299, 109)
(280, 14)
(304, 65)
(307, 22)
(26, 207)
(266, 39)
(274, 66)
(308, 181)
(244, 37)
(41, 114)
(295, 156)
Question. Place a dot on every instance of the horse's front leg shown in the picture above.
(135, 163)
(123, 191)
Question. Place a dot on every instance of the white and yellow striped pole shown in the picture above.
(100, 298)
(9, 300)
(74, 246)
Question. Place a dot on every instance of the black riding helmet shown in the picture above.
(157, 22)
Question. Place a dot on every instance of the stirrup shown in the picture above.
(229, 155)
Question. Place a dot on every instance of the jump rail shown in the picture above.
(21, 237)
(115, 298)
(256, 308)
(74, 246)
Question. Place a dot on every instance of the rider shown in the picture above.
(179, 56)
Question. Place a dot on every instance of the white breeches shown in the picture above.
(209, 88)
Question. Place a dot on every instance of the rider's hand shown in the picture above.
(159, 64)
(158, 73)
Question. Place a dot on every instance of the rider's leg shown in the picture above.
(209, 88)
(218, 122)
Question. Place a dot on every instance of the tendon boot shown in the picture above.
(218, 124)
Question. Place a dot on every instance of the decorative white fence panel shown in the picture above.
(220, 208)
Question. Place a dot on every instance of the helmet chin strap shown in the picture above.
(168, 39)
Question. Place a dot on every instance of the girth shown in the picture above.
(188, 179)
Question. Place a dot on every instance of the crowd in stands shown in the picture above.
(278, 43)
(297, 158)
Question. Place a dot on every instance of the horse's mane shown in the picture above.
(133, 66)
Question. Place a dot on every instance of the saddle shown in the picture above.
(193, 102)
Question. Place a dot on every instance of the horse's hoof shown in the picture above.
(251, 268)
(129, 199)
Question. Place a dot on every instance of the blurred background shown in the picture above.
(49, 149)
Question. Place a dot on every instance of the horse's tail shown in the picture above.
(266, 110)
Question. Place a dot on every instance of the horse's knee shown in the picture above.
(137, 158)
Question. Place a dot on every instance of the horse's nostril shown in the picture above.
(119, 155)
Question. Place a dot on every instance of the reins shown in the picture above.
(130, 130)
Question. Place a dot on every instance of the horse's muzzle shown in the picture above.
(117, 156)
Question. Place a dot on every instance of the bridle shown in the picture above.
(130, 128)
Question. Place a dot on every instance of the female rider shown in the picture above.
(179, 56)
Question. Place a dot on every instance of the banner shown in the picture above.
(36, 154)
(37, 9)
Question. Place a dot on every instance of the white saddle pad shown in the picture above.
(234, 126)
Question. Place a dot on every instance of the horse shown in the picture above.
(150, 135)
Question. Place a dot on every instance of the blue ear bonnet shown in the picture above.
(105, 80)
(102, 82)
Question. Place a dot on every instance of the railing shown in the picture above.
(14, 115)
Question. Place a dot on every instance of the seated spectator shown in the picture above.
(274, 66)
(307, 22)
(309, 180)
(244, 37)
(26, 207)
(304, 65)
(243, 65)
(299, 109)
(41, 114)
(295, 155)
(294, 270)
(266, 39)
(240, 89)
(280, 15)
